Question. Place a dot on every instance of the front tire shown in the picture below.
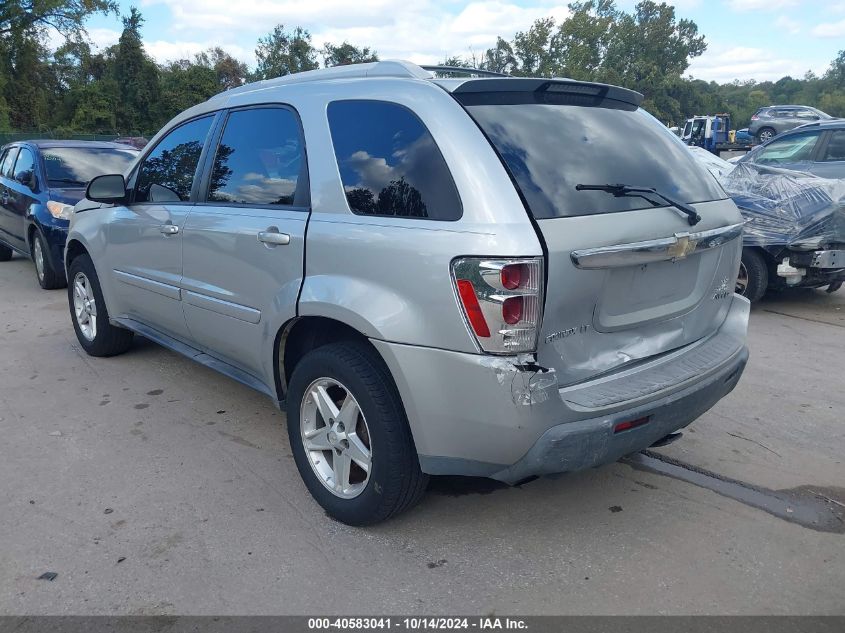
(753, 279)
(5, 253)
(88, 312)
(350, 437)
(45, 271)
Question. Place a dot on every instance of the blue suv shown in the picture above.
(40, 181)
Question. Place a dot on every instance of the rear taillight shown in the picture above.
(754, 117)
(501, 301)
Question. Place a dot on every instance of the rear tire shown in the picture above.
(45, 271)
(765, 134)
(5, 253)
(88, 312)
(394, 482)
(753, 280)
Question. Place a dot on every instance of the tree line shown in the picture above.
(122, 90)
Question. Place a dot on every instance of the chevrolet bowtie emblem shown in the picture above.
(682, 247)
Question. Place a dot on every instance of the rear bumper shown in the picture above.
(473, 414)
(588, 443)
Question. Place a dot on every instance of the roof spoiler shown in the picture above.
(569, 87)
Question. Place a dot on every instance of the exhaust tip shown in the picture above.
(667, 439)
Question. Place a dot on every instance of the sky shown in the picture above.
(747, 39)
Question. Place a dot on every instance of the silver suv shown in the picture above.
(496, 277)
(768, 122)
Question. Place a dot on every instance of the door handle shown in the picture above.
(272, 237)
(169, 229)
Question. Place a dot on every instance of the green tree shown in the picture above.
(136, 77)
(28, 90)
(282, 53)
(536, 50)
(500, 58)
(66, 16)
(94, 108)
(836, 73)
(184, 84)
(346, 53)
(649, 50)
(583, 38)
(230, 72)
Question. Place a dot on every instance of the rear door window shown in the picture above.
(551, 148)
(260, 160)
(792, 149)
(167, 173)
(389, 163)
(835, 150)
(8, 162)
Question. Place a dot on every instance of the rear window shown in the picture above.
(389, 162)
(551, 148)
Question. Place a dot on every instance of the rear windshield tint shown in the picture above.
(551, 148)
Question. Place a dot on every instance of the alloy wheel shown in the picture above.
(38, 256)
(84, 306)
(742, 280)
(336, 438)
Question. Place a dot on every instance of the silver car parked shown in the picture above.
(466, 276)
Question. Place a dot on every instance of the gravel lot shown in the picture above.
(152, 485)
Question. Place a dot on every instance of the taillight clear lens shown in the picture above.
(501, 301)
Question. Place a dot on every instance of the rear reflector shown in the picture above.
(472, 309)
(630, 424)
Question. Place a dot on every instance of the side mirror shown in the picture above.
(108, 188)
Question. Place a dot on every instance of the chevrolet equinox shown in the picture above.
(488, 276)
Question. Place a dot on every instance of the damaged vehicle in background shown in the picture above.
(490, 284)
(791, 193)
(795, 230)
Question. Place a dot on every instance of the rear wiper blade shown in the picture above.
(621, 191)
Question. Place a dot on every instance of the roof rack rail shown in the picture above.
(386, 68)
(466, 70)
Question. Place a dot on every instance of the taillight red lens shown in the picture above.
(512, 310)
(472, 309)
(514, 275)
(754, 117)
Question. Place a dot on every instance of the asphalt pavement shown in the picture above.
(151, 485)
